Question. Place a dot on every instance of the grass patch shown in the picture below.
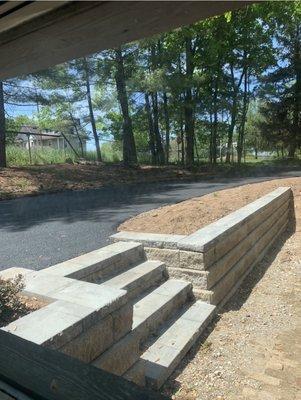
(17, 156)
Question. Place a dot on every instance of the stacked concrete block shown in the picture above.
(82, 319)
(136, 317)
(149, 314)
(104, 306)
(164, 354)
(97, 265)
(217, 257)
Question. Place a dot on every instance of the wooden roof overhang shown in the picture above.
(35, 35)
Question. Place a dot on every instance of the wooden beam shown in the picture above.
(9, 6)
(47, 374)
(80, 28)
(23, 11)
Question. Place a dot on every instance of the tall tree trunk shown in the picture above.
(91, 111)
(128, 142)
(77, 134)
(150, 129)
(158, 139)
(182, 135)
(235, 90)
(155, 56)
(165, 106)
(167, 126)
(233, 121)
(215, 122)
(296, 134)
(189, 105)
(211, 135)
(196, 149)
(181, 117)
(241, 133)
(2, 129)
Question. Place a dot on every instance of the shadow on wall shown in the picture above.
(239, 298)
(257, 273)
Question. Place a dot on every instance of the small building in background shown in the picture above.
(33, 137)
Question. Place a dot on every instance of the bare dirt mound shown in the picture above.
(190, 215)
(252, 350)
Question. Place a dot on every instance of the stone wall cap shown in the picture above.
(158, 240)
(205, 238)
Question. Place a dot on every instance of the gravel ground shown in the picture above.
(253, 348)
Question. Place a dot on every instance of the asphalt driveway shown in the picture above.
(36, 232)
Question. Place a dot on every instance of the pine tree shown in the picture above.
(2, 129)
(128, 141)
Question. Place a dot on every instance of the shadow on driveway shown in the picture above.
(36, 232)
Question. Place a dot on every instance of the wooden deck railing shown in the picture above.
(42, 373)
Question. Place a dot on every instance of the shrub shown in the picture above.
(10, 303)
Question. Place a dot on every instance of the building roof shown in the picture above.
(39, 134)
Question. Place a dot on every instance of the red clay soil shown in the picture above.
(190, 215)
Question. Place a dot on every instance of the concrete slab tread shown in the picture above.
(143, 275)
(162, 357)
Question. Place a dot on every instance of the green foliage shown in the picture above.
(234, 59)
(13, 126)
(111, 152)
(281, 87)
(10, 304)
(255, 139)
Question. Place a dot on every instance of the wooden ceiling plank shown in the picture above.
(27, 12)
(9, 5)
(67, 10)
(96, 26)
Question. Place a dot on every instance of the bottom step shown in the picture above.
(163, 356)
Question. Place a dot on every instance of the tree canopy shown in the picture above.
(209, 91)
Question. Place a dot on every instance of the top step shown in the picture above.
(140, 278)
(102, 263)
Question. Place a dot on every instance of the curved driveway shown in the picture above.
(36, 232)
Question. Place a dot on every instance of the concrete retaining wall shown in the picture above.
(217, 257)
(81, 319)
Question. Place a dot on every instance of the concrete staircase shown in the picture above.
(115, 309)
(167, 321)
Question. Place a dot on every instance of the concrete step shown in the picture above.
(138, 279)
(101, 264)
(162, 357)
(149, 314)
(155, 308)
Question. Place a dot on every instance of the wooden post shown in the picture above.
(29, 149)
(46, 374)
